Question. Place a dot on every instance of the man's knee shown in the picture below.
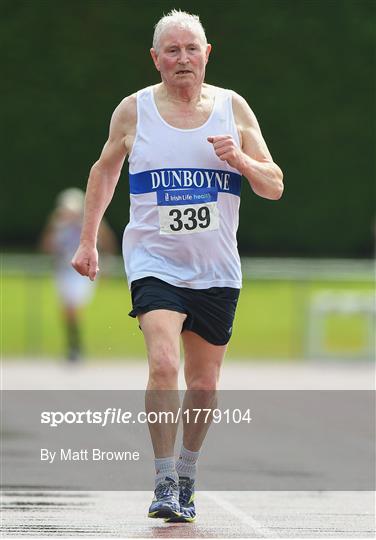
(206, 382)
(163, 365)
(203, 379)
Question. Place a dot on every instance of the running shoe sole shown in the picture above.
(164, 513)
(180, 519)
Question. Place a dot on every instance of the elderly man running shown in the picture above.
(188, 144)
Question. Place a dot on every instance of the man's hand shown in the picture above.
(227, 150)
(85, 261)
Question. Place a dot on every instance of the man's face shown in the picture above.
(182, 57)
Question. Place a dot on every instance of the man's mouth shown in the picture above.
(183, 71)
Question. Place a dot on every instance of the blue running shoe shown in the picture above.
(166, 500)
(186, 500)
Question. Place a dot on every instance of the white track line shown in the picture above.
(248, 520)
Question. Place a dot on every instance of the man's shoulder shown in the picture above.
(127, 108)
(213, 89)
(243, 114)
(237, 99)
(242, 110)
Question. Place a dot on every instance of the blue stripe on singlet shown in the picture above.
(183, 179)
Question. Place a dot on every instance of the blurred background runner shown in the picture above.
(60, 238)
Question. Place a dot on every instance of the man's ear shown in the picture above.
(154, 56)
(208, 51)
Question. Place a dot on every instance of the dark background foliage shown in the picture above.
(305, 67)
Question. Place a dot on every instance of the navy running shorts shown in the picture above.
(210, 312)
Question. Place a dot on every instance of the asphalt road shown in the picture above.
(221, 514)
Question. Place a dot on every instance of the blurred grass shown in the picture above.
(270, 321)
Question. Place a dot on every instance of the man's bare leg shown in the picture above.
(162, 330)
(202, 367)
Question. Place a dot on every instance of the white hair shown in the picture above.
(178, 18)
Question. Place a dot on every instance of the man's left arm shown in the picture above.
(253, 160)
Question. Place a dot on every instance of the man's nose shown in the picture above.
(183, 56)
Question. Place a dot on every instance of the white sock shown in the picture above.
(186, 464)
(165, 467)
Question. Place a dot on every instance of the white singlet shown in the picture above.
(184, 201)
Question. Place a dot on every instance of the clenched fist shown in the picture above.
(85, 261)
(227, 150)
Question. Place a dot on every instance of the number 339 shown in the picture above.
(190, 219)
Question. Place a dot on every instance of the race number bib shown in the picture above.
(185, 211)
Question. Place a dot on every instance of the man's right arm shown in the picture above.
(103, 178)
